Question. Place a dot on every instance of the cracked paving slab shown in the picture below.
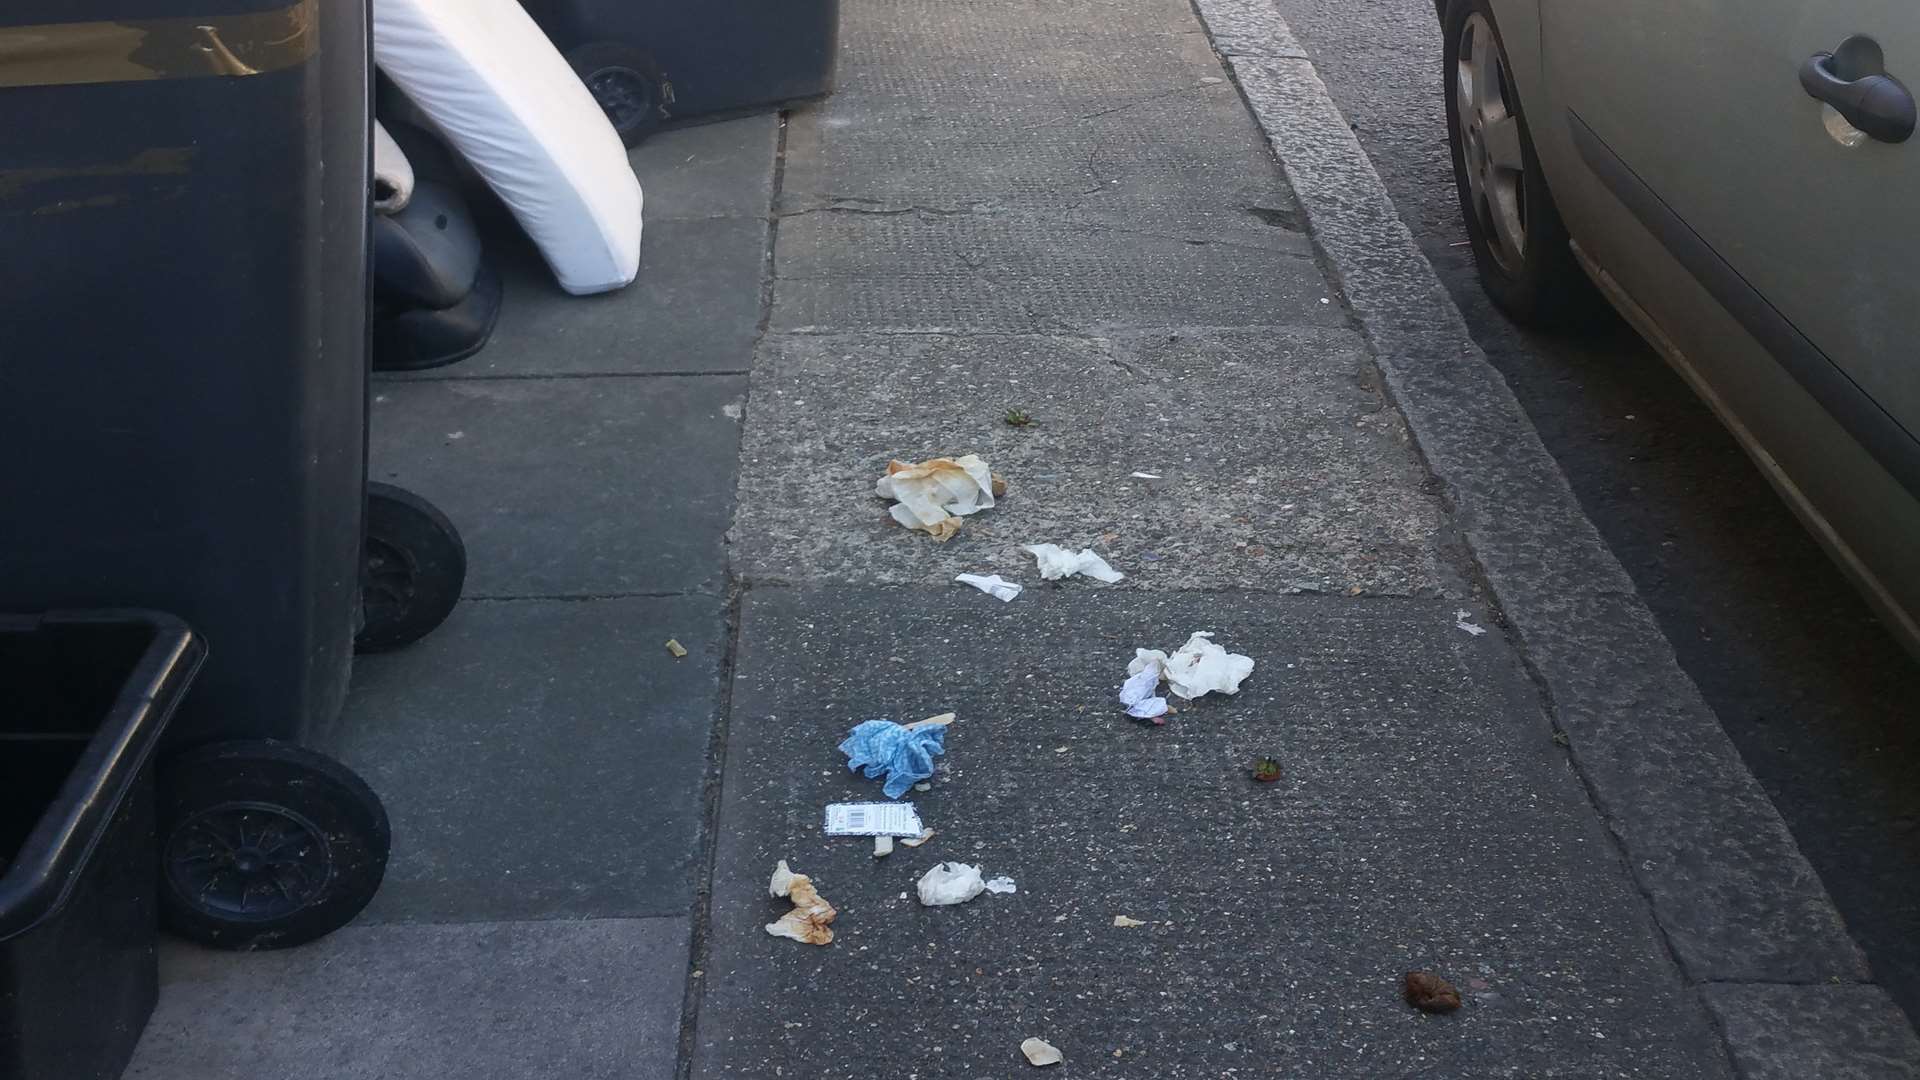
(993, 273)
(1280, 466)
(1187, 162)
(1110, 178)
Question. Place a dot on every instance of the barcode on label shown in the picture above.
(872, 819)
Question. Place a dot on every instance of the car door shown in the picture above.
(1694, 114)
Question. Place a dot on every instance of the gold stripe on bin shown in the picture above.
(142, 50)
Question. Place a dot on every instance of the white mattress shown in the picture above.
(500, 92)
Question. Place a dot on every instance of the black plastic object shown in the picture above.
(416, 339)
(435, 300)
(427, 254)
(1854, 81)
(87, 697)
(266, 845)
(649, 61)
(183, 394)
(415, 568)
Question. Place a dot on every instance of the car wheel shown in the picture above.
(1519, 242)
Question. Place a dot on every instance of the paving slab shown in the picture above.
(1280, 466)
(925, 271)
(723, 169)
(694, 308)
(1425, 820)
(541, 759)
(596, 1000)
(1015, 60)
(1185, 162)
(571, 487)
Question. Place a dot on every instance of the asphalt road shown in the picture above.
(1819, 699)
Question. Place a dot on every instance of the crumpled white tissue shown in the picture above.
(994, 585)
(950, 883)
(1138, 694)
(933, 495)
(1002, 884)
(1057, 562)
(1196, 668)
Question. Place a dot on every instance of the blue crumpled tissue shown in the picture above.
(904, 756)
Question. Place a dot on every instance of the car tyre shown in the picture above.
(1520, 245)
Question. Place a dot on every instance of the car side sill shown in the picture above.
(1876, 430)
(1897, 619)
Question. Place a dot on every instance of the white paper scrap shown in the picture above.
(1197, 668)
(1463, 620)
(1002, 885)
(995, 585)
(1138, 695)
(1057, 562)
(873, 819)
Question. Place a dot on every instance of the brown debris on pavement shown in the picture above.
(1430, 993)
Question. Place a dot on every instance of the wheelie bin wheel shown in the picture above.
(625, 83)
(265, 845)
(415, 567)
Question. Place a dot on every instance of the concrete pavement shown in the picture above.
(1064, 209)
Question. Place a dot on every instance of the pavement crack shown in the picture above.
(876, 208)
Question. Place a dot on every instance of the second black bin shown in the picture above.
(650, 61)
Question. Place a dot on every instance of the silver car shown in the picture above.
(1739, 179)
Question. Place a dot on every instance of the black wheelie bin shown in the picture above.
(184, 197)
(651, 61)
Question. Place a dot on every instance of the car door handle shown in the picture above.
(1878, 104)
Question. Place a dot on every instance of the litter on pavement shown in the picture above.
(1057, 562)
(950, 883)
(1002, 885)
(1137, 694)
(678, 650)
(994, 586)
(1462, 620)
(1266, 770)
(1196, 668)
(925, 835)
(873, 819)
(811, 914)
(903, 755)
(933, 495)
(1041, 1052)
(882, 846)
(1124, 922)
(1430, 993)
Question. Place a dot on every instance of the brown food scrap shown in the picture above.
(999, 486)
(811, 914)
(1430, 993)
